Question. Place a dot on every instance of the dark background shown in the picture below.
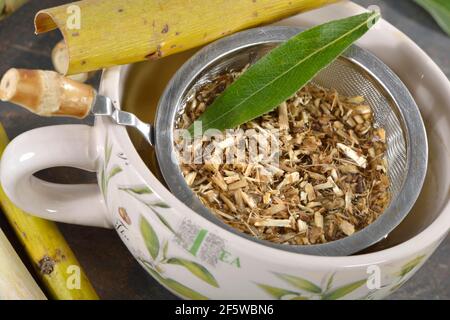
(112, 270)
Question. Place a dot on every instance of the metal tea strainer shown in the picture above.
(356, 72)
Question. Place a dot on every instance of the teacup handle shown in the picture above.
(54, 146)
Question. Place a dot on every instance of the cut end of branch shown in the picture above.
(44, 22)
(8, 84)
(60, 57)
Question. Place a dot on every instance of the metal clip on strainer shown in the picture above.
(356, 72)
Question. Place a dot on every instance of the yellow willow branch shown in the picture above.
(103, 33)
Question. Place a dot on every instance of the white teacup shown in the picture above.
(195, 258)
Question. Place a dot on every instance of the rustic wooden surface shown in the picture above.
(111, 268)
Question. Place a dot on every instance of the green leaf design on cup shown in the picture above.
(196, 269)
(343, 291)
(108, 150)
(285, 69)
(150, 238)
(176, 286)
(330, 282)
(137, 189)
(408, 267)
(153, 246)
(105, 175)
(102, 181)
(163, 220)
(159, 204)
(300, 283)
(115, 170)
(165, 249)
(310, 289)
(183, 290)
(275, 292)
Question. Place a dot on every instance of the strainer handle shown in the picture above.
(47, 93)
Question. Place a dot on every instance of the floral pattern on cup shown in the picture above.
(138, 190)
(406, 270)
(303, 289)
(158, 250)
(160, 257)
(107, 172)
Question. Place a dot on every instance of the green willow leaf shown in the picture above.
(275, 292)
(439, 10)
(344, 290)
(176, 286)
(137, 189)
(300, 283)
(283, 71)
(196, 269)
(150, 238)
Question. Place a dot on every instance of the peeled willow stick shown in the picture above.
(7, 7)
(16, 283)
(46, 93)
(55, 263)
(104, 33)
